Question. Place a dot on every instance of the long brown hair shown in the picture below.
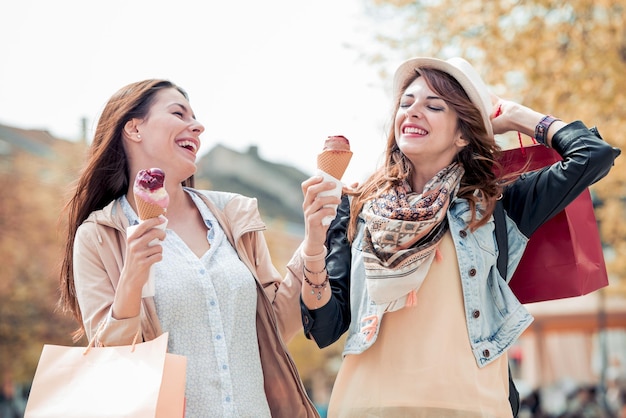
(105, 176)
(479, 157)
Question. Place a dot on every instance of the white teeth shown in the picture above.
(413, 130)
(187, 144)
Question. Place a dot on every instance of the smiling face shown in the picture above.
(426, 128)
(168, 137)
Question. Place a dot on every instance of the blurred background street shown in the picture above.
(320, 68)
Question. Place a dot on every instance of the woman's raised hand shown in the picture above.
(316, 208)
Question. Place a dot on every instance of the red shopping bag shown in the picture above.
(564, 256)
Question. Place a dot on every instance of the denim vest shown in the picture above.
(494, 316)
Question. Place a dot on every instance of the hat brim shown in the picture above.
(461, 70)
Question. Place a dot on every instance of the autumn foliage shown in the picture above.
(30, 246)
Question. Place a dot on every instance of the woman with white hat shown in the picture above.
(408, 267)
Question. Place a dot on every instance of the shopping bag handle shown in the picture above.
(93, 339)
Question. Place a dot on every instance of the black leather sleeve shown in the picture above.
(326, 324)
(537, 196)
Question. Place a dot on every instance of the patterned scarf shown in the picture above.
(402, 230)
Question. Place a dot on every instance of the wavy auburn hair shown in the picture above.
(105, 176)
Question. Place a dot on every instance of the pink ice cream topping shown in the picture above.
(336, 143)
(149, 187)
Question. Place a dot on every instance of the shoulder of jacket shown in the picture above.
(111, 216)
(103, 225)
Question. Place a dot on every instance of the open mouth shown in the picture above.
(189, 145)
(413, 130)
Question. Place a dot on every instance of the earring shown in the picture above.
(138, 136)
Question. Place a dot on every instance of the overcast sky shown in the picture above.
(276, 73)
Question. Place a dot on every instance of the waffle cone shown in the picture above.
(334, 162)
(147, 210)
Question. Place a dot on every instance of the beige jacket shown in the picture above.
(99, 252)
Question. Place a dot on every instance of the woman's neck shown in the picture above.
(423, 173)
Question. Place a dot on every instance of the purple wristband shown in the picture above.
(541, 130)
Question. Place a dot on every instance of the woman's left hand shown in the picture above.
(507, 116)
(315, 210)
(501, 115)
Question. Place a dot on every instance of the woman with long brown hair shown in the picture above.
(225, 307)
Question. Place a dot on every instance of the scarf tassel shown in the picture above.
(411, 298)
(438, 256)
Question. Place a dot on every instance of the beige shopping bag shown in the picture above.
(139, 380)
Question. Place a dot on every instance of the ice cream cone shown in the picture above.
(150, 194)
(334, 162)
(147, 210)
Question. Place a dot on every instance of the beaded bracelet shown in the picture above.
(314, 287)
(313, 272)
(541, 130)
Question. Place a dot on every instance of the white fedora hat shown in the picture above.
(459, 69)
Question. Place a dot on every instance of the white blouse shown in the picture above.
(208, 307)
